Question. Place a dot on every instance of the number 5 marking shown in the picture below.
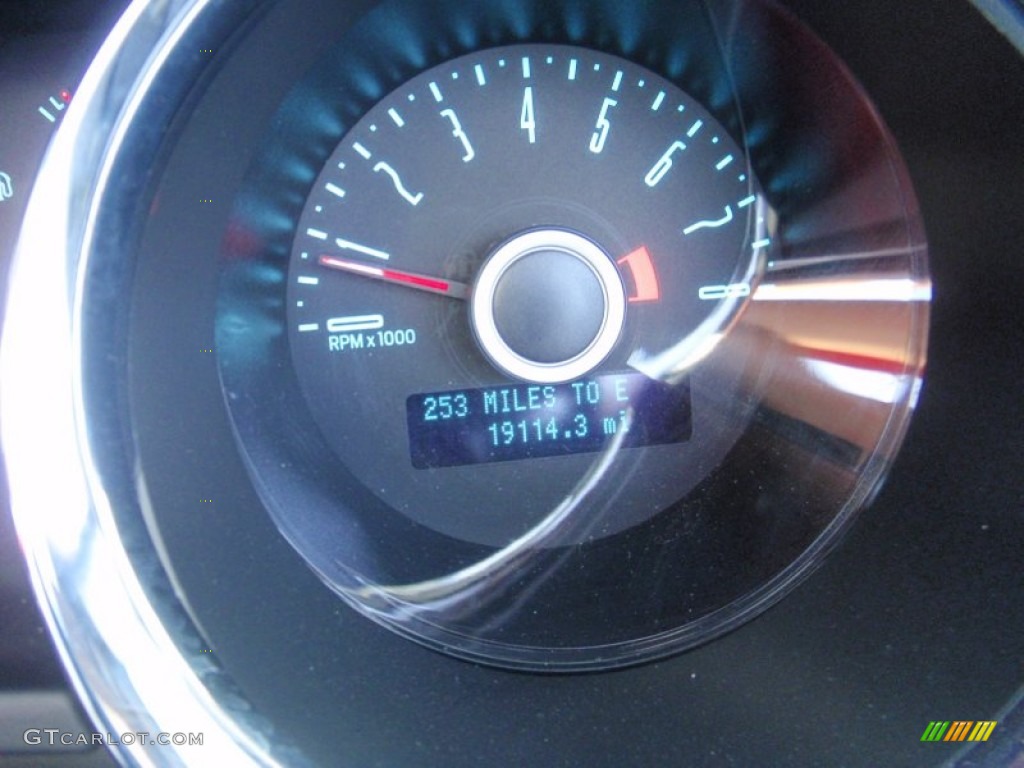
(459, 134)
(603, 127)
(410, 198)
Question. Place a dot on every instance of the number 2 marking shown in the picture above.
(410, 198)
(459, 134)
(527, 121)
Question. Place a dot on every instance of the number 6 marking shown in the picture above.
(664, 165)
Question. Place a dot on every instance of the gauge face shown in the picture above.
(487, 266)
(515, 347)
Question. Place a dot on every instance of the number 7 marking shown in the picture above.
(711, 223)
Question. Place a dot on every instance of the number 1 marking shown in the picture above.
(527, 120)
(459, 134)
(410, 198)
(348, 245)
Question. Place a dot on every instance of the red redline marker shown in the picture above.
(411, 279)
(645, 279)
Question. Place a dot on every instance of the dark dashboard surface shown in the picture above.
(918, 615)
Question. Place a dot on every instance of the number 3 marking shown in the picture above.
(459, 134)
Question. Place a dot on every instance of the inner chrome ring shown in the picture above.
(501, 352)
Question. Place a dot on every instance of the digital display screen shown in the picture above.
(528, 421)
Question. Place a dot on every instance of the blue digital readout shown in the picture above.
(528, 421)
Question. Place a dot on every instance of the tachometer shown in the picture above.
(487, 264)
(535, 352)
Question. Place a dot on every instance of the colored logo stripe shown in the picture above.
(982, 730)
(958, 730)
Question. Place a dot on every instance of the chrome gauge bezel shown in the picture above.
(65, 494)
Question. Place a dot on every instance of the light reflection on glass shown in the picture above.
(847, 289)
(880, 386)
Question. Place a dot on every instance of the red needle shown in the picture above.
(409, 279)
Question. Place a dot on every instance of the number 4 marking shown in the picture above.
(527, 121)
